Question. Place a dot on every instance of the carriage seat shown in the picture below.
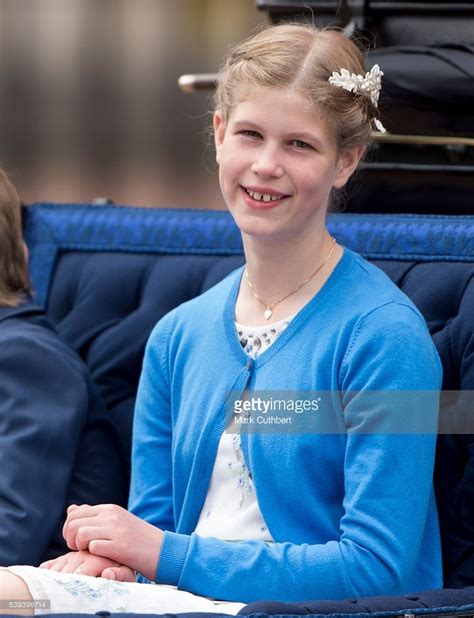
(107, 274)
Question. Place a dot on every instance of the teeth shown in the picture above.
(263, 197)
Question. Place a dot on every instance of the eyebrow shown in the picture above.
(303, 135)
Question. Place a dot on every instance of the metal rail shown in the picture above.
(422, 140)
(458, 170)
(198, 81)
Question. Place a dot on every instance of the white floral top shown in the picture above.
(231, 510)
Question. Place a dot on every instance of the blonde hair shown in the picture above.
(14, 279)
(300, 57)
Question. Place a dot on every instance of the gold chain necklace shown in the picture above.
(267, 314)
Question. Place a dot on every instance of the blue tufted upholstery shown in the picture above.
(108, 274)
(105, 305)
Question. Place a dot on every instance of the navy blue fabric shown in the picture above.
(422, 603)
(106, 614)
(451, 324)
(57, 445)
(107, 274)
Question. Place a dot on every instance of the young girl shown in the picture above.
(320, 508)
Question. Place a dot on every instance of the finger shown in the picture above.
(69, 541)
(85, 511)
(67, 535)
(105, 548)
(57, 564)
(70, 530)
(95, 565)
(74, 538)
(69, 538)
(90, 568)
(121, 574)
(96, 508)
(74, 560)
(104, 514)
(73, 523)
(86, 534)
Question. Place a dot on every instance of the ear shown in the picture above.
(219, 132)
(347, 164)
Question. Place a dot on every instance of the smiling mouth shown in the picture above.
(264, 197)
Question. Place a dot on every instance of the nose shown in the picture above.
(267, 163)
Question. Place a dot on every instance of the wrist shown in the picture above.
(148, 563)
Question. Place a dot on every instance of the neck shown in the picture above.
(275, 268)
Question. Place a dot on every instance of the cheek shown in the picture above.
(314, 181)
(317, 179)
(229, 169)
(227, 178)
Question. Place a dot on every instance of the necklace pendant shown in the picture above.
(267, 314)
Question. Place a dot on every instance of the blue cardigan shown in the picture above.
(348, 498)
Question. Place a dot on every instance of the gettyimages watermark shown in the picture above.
(363, 412)
(19, 604)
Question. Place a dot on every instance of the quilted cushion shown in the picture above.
(442, 601)
(106, 304)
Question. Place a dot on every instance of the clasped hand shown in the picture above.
(108, 541)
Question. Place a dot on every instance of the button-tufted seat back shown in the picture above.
(107, 274)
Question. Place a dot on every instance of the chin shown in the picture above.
(257, 227)
(254, 222)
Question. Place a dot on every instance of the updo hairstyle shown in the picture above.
(301, 58)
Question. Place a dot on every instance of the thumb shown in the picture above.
(108, 573)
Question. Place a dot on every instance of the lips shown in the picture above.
(263, 197)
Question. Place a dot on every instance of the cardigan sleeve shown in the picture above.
(151, 495)
(43, 408)
(383, 524)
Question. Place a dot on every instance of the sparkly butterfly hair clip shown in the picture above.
(368, 84)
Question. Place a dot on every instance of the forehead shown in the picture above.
(280, 110)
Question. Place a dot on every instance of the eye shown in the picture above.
(250, 133)
(301, 145)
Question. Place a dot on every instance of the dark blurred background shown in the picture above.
(89, 101)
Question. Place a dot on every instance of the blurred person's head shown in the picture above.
(14, 279)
